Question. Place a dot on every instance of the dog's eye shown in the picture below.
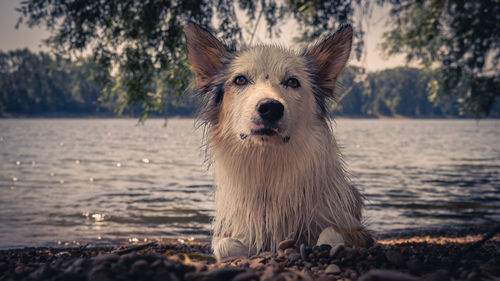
(240, 80)
(292, 82)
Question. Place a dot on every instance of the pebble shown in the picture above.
(157, 263)
(246, 276)
(332, 269)
(268, 273)
(76, 266)
(438, 275)
(106, 258)
(303, 251)
(266, 254)
(326, 278)
(324, 247)
(294, 257)
(387, 275)
(139, 265)
(128, 259)
(225, 273)
(162, 274)
(349, 254)
(352, 274)
(257, 263)
(99, 272)
(394, 257)
(335, 250)
(285, 244)
(414, 265)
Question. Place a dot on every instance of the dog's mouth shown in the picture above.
(266, 133)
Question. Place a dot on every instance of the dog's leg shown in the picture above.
(228, 247)
(330, 237)
(359, 237)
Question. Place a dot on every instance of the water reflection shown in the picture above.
(74, 181)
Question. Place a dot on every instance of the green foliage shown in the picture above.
(461, 37)
(39, 83)
(401, 91)
(319, 18)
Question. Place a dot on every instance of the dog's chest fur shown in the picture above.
(264, 194)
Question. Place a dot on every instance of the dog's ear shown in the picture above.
(330, 56)
(204, 53)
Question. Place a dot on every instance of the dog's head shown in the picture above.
(265, 94)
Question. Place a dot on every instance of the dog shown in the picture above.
(278, 171)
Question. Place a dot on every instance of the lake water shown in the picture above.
(72, 181)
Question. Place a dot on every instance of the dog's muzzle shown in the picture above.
(266, 123)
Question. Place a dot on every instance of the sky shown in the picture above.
(372, 60)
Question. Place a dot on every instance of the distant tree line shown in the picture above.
(44, 84)
(40, 83)
(400, 91)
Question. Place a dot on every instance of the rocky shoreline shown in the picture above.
(470, 254)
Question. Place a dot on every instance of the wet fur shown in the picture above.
(268, 188)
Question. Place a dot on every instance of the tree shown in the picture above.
(144, 40)
(349, 92)
(461, 37)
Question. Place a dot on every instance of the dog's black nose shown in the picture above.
(270, 110)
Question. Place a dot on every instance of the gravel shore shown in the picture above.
(469, 254)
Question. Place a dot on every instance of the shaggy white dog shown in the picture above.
(278, 170)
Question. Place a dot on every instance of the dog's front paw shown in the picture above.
(330, 237)
(229, 247)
